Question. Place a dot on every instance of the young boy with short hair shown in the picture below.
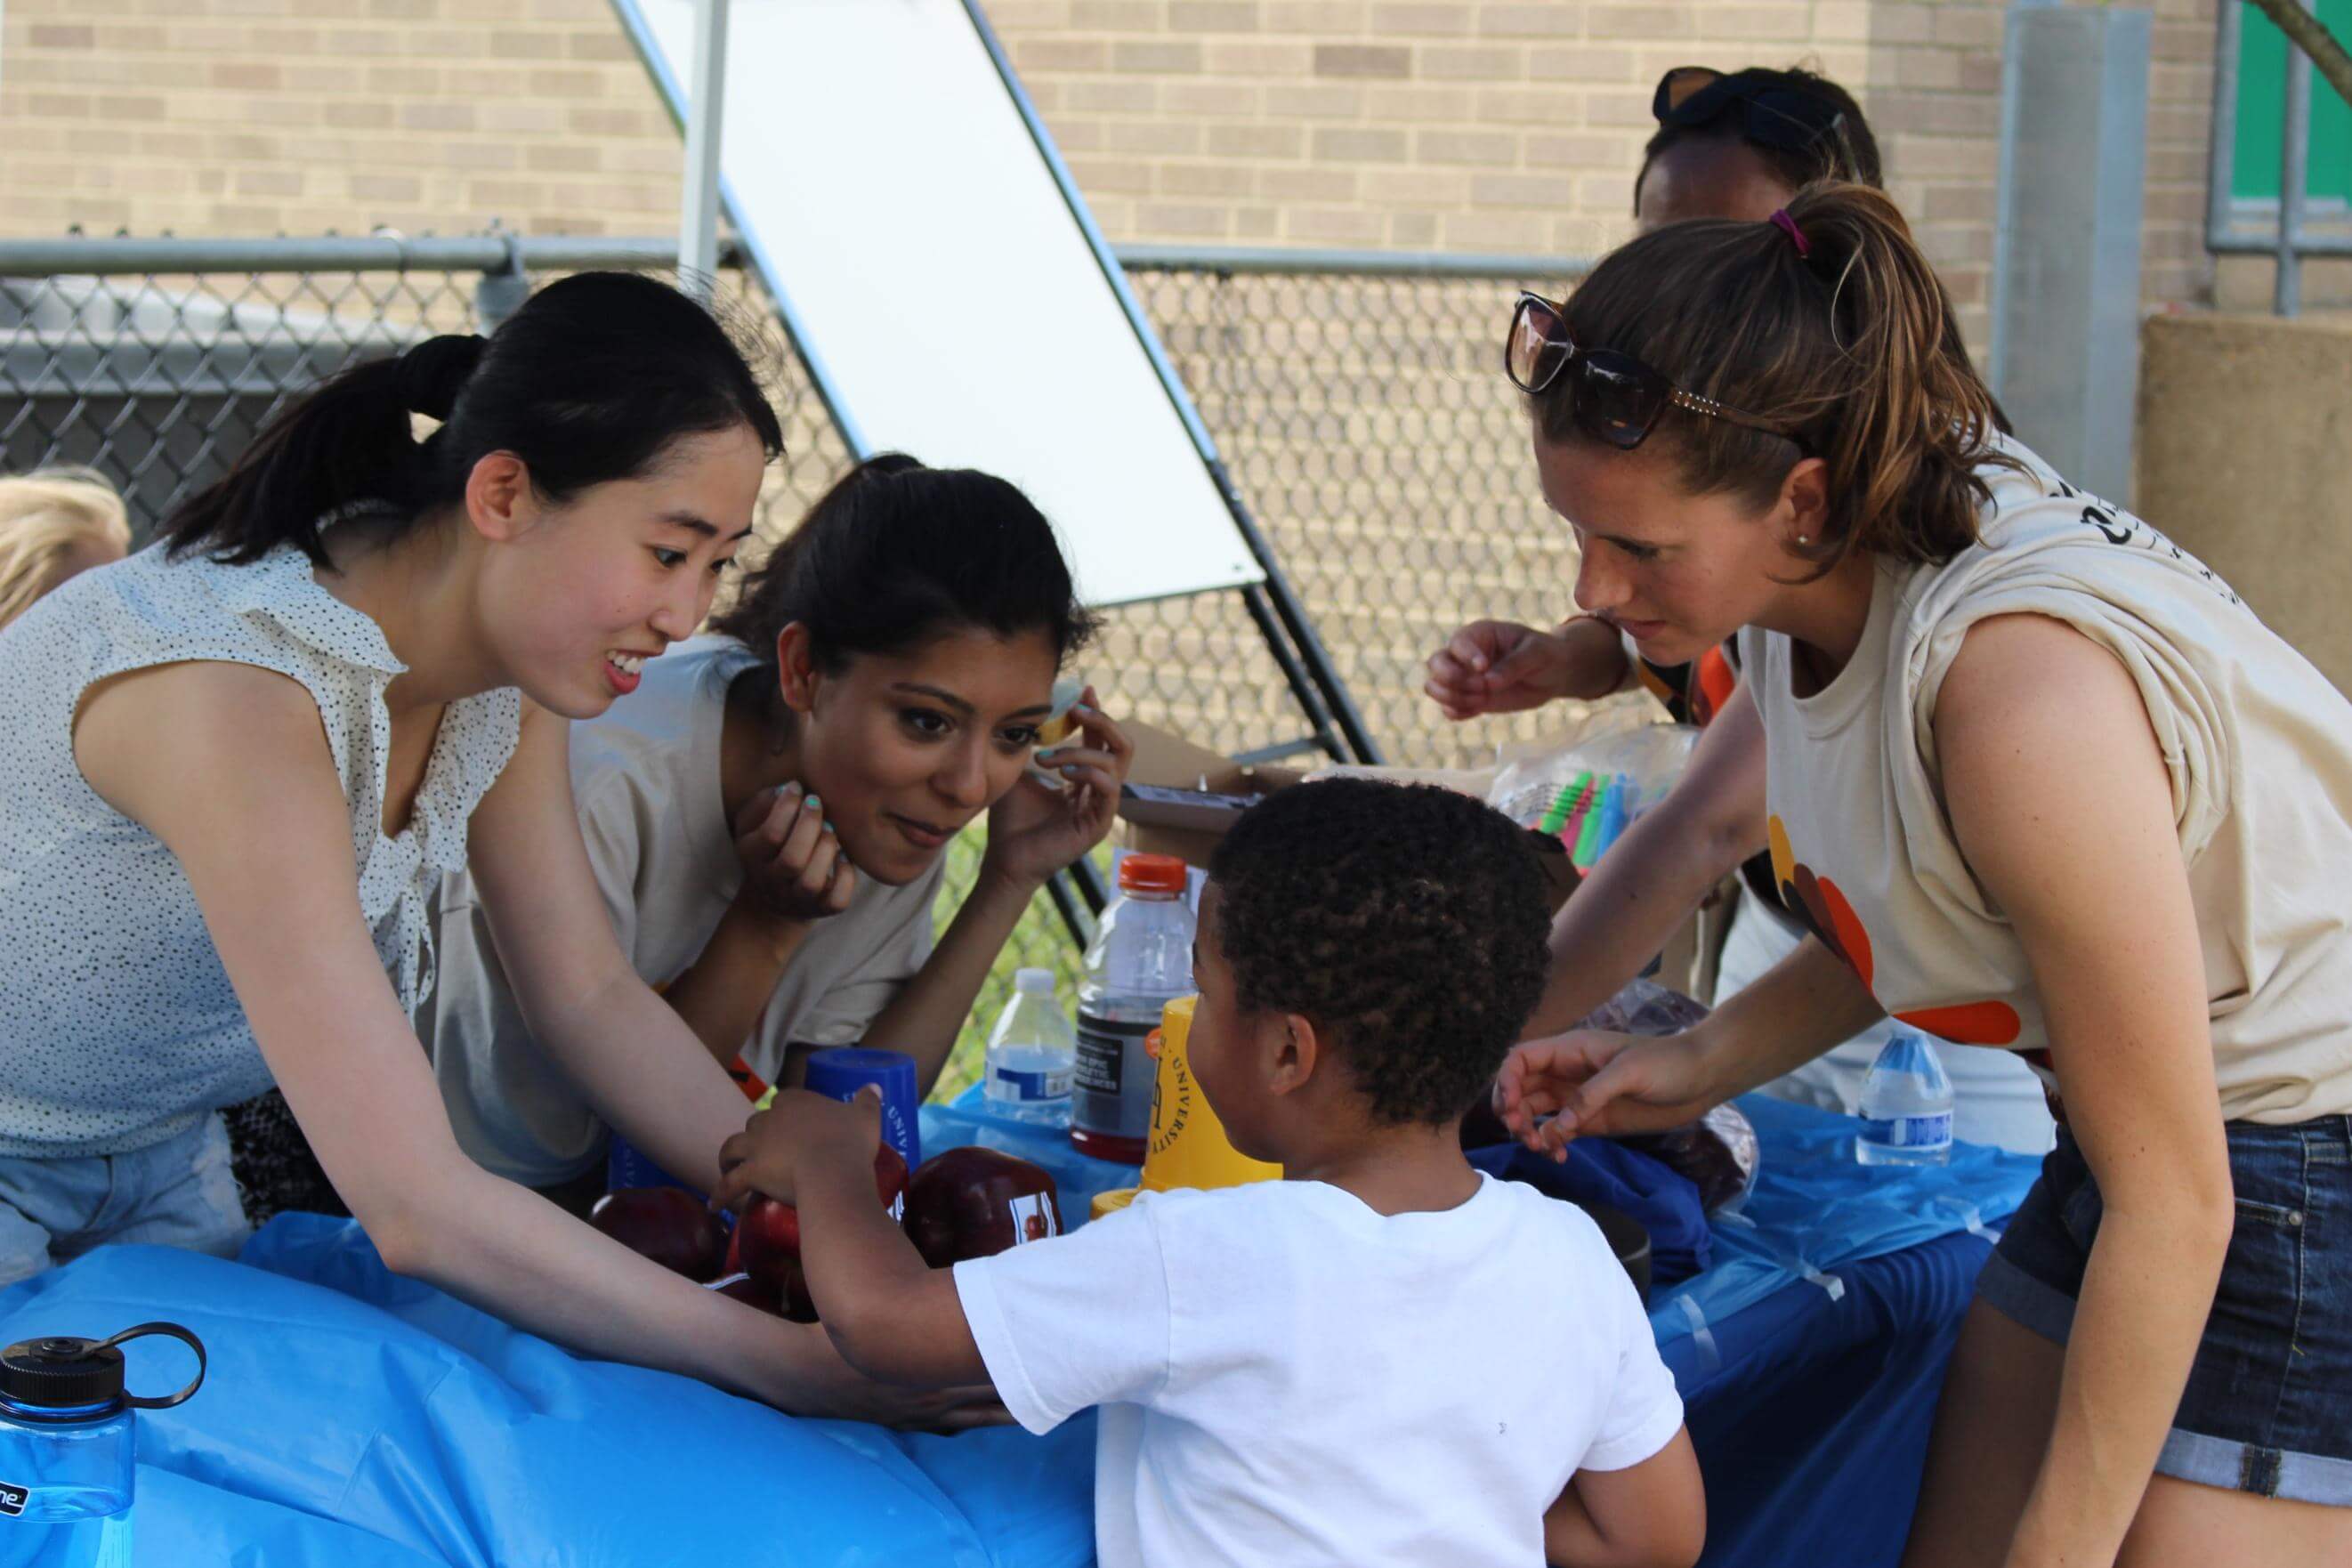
(1385, 1356)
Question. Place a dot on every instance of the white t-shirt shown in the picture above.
(2257, 742)
(118, 1028)
(1288, 1376)
(646, 779)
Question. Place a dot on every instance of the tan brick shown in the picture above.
(1183, 219)
(1980, 28)
(1515, 190)
(1469, 62)
(1262, 60)
(613, 46)
(1841, 21)
(405, 82)
(1080, 136)
(1257, 141)
(1580, 150)
(126, 106)
(436, 116)
(1902, 23)
(362, 41)
(1116, 15)
(268, 181)
(1308, 185)
(1558, 19)
(1213, 15)
(1415, 231)
(1046, 56)
(563, 158)
(61, 105)
(1157, 135)
(1316, 100)
(1395, 188)
(1546, 106)
(1638, 22)
(1363, 60)
(1215, 98)
(1131, 175)
(56, 35)
(1156, 58)
(1320, 18)
(1360, 145)
(558, 83)
(1503, 231)
(251, 76)
(1928, 67)
(1324, 226)
(1208, 179)
(1494, 149)
(1417, 105)
(1119, 95)
(279, 42)
(1424, 18)
(496, 157)
(1584, 62)
(525, 44)
(538, 119)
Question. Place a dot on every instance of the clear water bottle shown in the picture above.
(1032, 1054)
(69, 1448)
(1140, 959)
(1907, 1106)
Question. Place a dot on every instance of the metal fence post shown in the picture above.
(2294, 176)
(500, 290)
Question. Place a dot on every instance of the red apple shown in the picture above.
(665, 1225)
(768, 1237)
(974, 1202)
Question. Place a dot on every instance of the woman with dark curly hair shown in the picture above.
(768, 818)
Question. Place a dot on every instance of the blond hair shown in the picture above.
(42, 515)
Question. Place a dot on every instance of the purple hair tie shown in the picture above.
(1788, 226)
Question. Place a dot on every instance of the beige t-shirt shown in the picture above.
(646, 779)
(2258, 744)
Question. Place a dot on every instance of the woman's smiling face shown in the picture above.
(906, 749)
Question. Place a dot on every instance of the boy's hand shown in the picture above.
(798, 1127)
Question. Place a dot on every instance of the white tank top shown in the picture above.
(118, 1026)
(2257, 742)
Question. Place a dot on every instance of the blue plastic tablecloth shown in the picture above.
(353, 1418)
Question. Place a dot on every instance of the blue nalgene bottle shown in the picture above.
(67, 1447)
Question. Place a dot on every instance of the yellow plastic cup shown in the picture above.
(1112, 1201)
(1187, 1146)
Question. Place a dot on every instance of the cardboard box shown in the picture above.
(1181, 798)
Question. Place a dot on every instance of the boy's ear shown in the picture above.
(1292, 1051)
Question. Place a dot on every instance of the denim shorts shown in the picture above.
(178, 1192)
(2268, 1408)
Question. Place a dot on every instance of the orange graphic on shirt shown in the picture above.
(1816, 901)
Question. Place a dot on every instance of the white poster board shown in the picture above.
(885, 182)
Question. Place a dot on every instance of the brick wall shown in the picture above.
(1452, 124)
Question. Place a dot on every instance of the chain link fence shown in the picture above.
(1357, 402)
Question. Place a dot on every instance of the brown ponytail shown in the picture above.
(1851, 345)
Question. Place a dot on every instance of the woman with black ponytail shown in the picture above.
(235, 766)
(768, 820)
(2035, 780)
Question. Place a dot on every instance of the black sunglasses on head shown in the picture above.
(1689, 97)
(1616, 398)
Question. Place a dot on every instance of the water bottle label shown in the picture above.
(1030, 1087)
(1910, 1132)
(11, 1500)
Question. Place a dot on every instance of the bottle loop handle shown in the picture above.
(172, 1331)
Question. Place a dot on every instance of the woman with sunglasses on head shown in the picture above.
(236, 765)
(768, 819)
(2037, 779)
(1727, 146)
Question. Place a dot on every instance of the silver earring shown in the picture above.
(1804, 539)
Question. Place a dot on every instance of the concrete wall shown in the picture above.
(2246, 459)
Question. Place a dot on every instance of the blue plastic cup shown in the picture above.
(839, 1072)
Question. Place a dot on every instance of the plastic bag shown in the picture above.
(1589, 793)
(1718, 1151)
